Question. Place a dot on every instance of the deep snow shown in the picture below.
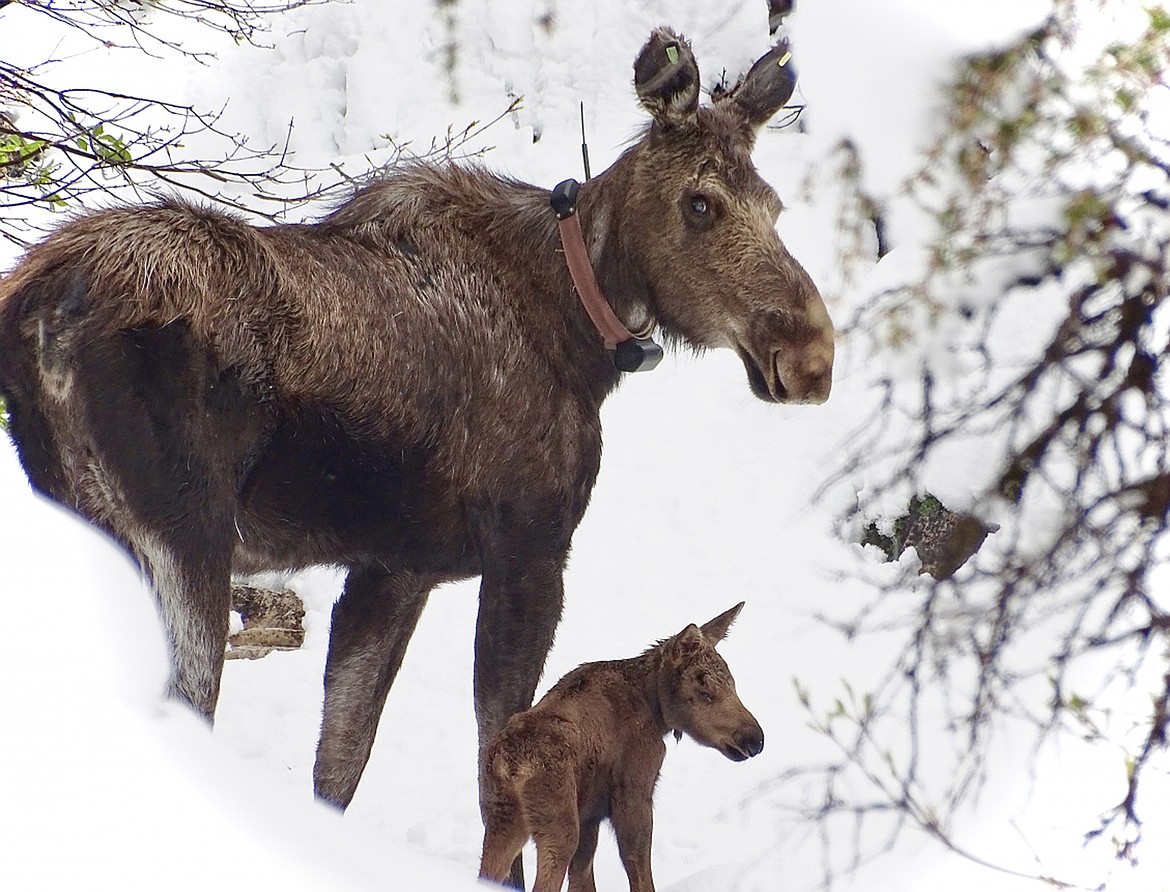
(105, 787)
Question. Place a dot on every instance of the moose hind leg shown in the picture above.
(156, 456)
(194, 591)
(372, 624)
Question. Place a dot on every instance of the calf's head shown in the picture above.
(697, 692)
(703, 221)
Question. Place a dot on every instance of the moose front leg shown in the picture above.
(520, 599)
(522, 549)
(373, 622)
(518, 615)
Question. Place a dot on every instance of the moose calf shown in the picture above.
(592, 749)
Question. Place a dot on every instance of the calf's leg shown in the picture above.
(552, 817)
(504, 837)
(633, 825)
(372, 624)
(581, 867)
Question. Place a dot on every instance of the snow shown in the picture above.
(871, 71)
(706, 497)
(108, 786)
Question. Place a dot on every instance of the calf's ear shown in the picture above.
(666, 77)
(715, 630)
(687, 642)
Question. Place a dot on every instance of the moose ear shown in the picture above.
(667, 79)
(716, 630)
(767, 85)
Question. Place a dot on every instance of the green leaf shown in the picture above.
(111, 149)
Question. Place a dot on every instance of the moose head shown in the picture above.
(701, 222)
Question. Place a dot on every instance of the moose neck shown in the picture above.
(600, 201)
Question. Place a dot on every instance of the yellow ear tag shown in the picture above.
(784, 60)
(672, 54)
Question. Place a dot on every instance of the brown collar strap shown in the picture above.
(630, 353)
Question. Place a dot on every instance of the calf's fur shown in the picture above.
(591, 750)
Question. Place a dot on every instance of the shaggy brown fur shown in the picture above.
(591, 749)
(408, 389)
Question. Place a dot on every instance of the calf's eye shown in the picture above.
(699, 205)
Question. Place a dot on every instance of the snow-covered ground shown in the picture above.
(105, 787)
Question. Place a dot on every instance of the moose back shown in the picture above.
(409, 388)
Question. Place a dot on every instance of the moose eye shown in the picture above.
(699, 211)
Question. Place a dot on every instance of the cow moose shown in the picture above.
(591, 750)
(408, 388)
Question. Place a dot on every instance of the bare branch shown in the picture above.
(1076, 432)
